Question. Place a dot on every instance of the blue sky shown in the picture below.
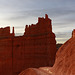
(18, 13)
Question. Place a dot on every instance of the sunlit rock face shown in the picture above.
(33, 71)
(65, 60)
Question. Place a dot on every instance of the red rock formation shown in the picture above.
(5, 33)
(6, 51)
(36, 48)
(34, 71)
(65, 58)
(64, 63)
(41, 28)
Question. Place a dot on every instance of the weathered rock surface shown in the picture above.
(65, 59)
(36, 48)
(34, 71)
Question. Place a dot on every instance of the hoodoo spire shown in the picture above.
(13, 32)
(46, 16)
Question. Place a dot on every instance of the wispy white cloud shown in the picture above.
(61, 37)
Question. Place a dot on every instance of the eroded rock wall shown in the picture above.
(64, 63)
(36, 48)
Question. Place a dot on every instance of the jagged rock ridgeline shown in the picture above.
(43, 27)
(64, 63)
(36, 48)
(5, 32)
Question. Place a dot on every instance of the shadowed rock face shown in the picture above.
(36, 48)
(65, 59)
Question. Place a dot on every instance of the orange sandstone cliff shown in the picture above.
(64, 63)
(65, 58)
(36, 48)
